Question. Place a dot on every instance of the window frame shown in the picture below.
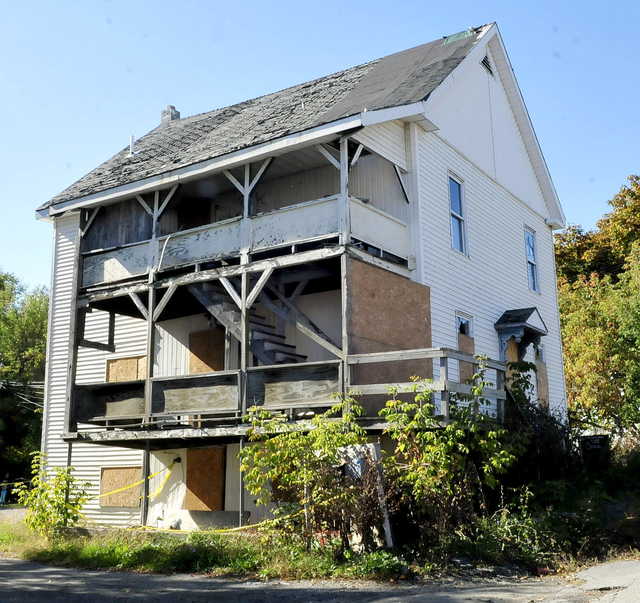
(468, 318)
(531, 262)
(460, 217)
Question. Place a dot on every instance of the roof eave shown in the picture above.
(280, 145)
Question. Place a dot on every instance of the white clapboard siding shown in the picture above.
(86, 459)
(386, 139)
(493, 277)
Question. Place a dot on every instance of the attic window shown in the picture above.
(487, 64)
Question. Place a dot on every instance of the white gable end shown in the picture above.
(472, 112)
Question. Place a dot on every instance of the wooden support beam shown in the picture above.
(226, 283)
(146, 469)
(138, 302)
(345, 214)
(402, 183)
(245, 333)
(96, 345)
(144, 205)
(151, 330)
(256, 178)
(87, 226)
(328, 156)
(166, 200)
(257, 288)
(303, 257)
(164, 301)
(444, 394)
(357, 154)
(297, 292)
(294, 315)
(233, 180)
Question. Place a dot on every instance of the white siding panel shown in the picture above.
(493, 278)
(386, 139)
(472, 112)
(86, 459)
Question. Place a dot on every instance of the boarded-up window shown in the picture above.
(205, 479)
(466, 345)
(126, 369)
(542, 380)
(206, 351)
(115, 478)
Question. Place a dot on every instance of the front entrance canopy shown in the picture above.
(524, 325)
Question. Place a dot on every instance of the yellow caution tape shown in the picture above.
(134, 484)
(250, 526)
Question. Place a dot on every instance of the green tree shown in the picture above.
(23, 326)
(605, 249)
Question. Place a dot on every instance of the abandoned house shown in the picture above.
(389, 220)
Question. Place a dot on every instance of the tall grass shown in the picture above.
(266, 556)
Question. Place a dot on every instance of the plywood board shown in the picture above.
(542, 383)
(466, 345)
(126, 369)
(206, 351)
(205, 479)
(386, 312)
(114, 478)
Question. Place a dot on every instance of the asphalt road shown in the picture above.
(616, 582)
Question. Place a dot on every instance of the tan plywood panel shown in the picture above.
(386, 312)
(205, 479)
(114, 478)
(126, 369)
(206, 351)
(466, 345)
(542, 383)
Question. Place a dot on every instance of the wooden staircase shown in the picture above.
(267, 344)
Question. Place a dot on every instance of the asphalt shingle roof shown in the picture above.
(398, 79)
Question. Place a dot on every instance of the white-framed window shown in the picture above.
(464, 324)
(532, 262)
(458, 235)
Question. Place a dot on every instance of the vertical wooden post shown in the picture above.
(344, 299)
(245, 228)
(66, 491)
(444, 394)
(144, 504)
(241, 493)
(244, 342)
(500, 385)
(345, 217)
(148, 386)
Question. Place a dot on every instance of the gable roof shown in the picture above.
(522, 317)
(398, 79)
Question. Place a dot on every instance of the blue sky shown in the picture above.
(77, 78)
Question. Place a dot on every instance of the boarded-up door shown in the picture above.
(126, 369)
(205, 479)
(466, 345)
(206, 351)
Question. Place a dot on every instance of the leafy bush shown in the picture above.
(437, 473)
(303, 471)
(54, 501)
(511, 534)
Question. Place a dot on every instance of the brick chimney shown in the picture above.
(169, 114)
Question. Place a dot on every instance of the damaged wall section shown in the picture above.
(386, 312)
